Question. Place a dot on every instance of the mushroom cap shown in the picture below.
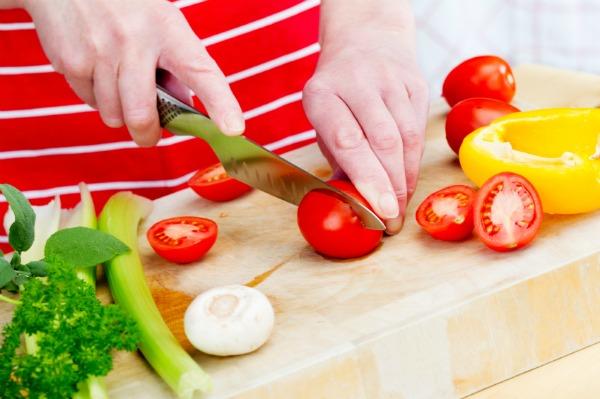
(229, 320)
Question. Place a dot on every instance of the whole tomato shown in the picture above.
(485, 76)
(330, 225)
(471, 114)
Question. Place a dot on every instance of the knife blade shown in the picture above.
(249, 162)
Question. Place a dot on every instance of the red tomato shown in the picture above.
(214, 184)
(182, 239)
(508, 212)
(447, 214)
(330, 225)
(485, 76)
(471, 114)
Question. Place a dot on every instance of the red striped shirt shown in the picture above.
(50, 141)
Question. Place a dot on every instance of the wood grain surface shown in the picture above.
(418, 318)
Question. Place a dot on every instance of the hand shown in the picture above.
(369, 104)
(109, 52)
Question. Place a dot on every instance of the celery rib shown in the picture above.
(121, 217)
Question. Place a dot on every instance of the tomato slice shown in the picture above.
(447, 214)
(182, 239)
(214, 184)
(330, 225)
(508, 212)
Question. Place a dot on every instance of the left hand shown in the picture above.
(369, 104)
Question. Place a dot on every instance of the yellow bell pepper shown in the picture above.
(557, 150)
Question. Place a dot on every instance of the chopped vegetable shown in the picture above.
(447, 214)
(120, 217)
(230, 320)
(508, 212)
(552, 148)
(214, 184)
(182, 239)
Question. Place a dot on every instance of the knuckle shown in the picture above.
(140, 118)
(385, 141)
(419, 87)
(203, 65)
(316, 87)
(348, 139)
(77, 67)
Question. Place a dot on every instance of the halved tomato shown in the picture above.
(447, 214)
(214, 184)
(182, 239)
(508, 212)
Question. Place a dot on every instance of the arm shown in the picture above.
(368, 101)
(109, 52)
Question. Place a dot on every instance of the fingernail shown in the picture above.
(113, 122)
(388, 205)
(393, 226)
(235, 124)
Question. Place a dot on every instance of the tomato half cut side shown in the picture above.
(447, 214)
(182, 239)
(331, 227)
(214, 184)
(508, 212)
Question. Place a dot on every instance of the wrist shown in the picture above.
(8, 4)
(343, 21)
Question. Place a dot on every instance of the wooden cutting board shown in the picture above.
(416, 319)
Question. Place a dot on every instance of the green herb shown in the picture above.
(82, 247)
(20, 234)
(75, 336)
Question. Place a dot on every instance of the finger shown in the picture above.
(418, 93)
(188, 60)
(106, 91)
(84, 89)
(403, 113)
(342, 135)
(137, 89)
(384, 138)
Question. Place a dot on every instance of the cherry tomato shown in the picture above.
(182, 239)
(330, 225)
(447, 214)
(508, 212)
(486, 76)
(471, 114)
(214, 184)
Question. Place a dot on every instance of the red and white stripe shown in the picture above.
(267, 50)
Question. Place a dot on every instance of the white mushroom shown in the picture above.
(230, 320)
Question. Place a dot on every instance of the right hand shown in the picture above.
(109, 52)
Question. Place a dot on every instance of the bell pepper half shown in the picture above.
(557, 150)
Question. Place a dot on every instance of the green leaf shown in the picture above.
(38, 268)
(20, 234)
(82, 247)
(6, 272)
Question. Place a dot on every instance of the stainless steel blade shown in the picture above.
(249, 162)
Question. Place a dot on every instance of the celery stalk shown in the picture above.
(83, 215)
(121, 217)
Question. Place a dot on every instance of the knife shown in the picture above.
(249, 162)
